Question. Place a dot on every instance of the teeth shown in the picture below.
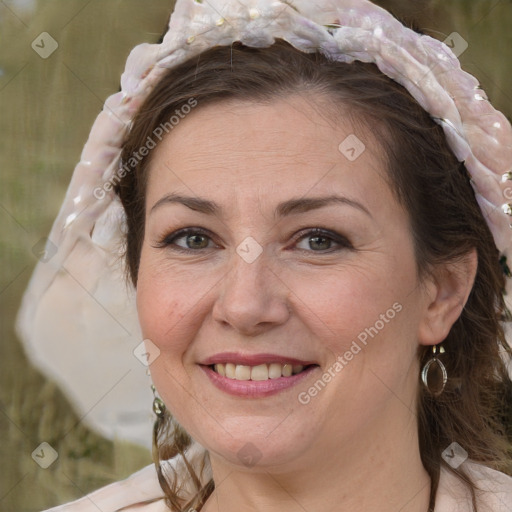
(259, 372)
(230, 371)
(242, 372)
(287, 370)
(274, 371)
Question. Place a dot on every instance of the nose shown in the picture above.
(252, 298)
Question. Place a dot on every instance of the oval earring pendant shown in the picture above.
(434, 376)
(159, 407)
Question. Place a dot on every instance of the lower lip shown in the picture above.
(255, 388)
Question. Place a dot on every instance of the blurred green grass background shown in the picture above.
(47, 107)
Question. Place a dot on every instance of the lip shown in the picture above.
(253, 359)
(255, 388)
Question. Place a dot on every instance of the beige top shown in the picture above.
(141, 492)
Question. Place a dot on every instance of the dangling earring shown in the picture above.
(158, 404)
(437, 366)
(159, 409)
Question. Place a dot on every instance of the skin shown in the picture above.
(354, 446)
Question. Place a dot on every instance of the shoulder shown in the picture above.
(494, 490)
(140, 492)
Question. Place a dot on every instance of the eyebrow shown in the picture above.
(289, 207)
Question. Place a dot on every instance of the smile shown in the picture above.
(259, 372)
(257, 381)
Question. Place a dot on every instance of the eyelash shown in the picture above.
(169, 240)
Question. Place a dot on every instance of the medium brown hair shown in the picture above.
(428, 181)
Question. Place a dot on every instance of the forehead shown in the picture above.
(283, 147)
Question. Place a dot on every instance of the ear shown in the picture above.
(446, 294)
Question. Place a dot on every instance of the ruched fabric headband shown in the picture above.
(82, 272)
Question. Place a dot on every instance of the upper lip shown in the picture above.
(253, 359)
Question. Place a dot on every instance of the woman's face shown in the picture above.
(252, 287)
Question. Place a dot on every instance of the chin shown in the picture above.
(252, 442)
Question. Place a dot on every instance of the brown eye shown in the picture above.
(194, 239)
(319, 240)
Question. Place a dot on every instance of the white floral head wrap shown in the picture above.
(78, 305)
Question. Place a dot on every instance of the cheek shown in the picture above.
(342, 304)
(367, 325)
(165, 302)
(170, 298)
(161, 302)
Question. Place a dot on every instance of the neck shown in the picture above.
(377, 469)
